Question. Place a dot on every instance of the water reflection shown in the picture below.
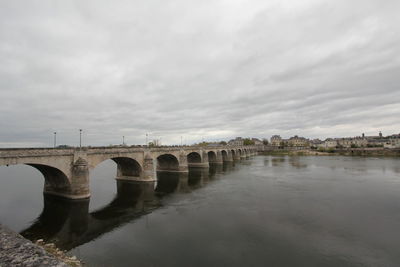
(69, 224)
(56, 215)
(195, 178)
(214, 170)
(229, 166)
(278, 161)
(319, 217)
(168, 182)
(297, 162)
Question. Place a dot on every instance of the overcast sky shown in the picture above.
(209, 69)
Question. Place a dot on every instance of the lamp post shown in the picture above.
(181, 141)
(80, 138)
(123, 140)
(55, 139)
(146, 139)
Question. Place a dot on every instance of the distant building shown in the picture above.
(238, 141)
(362, 141)
(257, 141)
(298, 141)
(329, 143)
(352, 142)
(377, 140)
(392, 141)
(315, 142)
(276, 140)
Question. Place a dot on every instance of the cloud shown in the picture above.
(198, 69)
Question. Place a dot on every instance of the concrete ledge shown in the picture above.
(216, 162)
(18, 251)
(134, 179)
(198, 165)
(66, 196)
(177, 171)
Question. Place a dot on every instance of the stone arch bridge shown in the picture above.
(66, 170)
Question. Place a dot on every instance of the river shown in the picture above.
(262, 211)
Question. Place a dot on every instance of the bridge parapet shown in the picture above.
(29, 152)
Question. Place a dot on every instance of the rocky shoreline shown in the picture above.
(16, 251)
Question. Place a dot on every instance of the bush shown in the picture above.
(330, 150)
(248, 142)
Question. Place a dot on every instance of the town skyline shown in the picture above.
(157, 141)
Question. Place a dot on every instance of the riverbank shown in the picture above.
(295, 153)
(15, 250)
(368, 152)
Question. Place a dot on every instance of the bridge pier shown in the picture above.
(219, 159)
(80, 180)
(183, 164)
(229, 157)
(148, 169)
(205, 160)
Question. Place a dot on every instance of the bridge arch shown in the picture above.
(127, 167)
(167, 162)
(194, 157)
(56, 182)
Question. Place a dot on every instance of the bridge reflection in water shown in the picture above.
(68, 223)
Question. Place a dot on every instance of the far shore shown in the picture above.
(341, 152)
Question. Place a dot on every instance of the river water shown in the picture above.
(262, 211)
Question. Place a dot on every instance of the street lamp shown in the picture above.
(55, 139)
(147, 135)
(80, 138)
(123, 140)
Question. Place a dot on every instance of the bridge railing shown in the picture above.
(16, 152)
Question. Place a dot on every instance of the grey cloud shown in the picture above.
(198, 69)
